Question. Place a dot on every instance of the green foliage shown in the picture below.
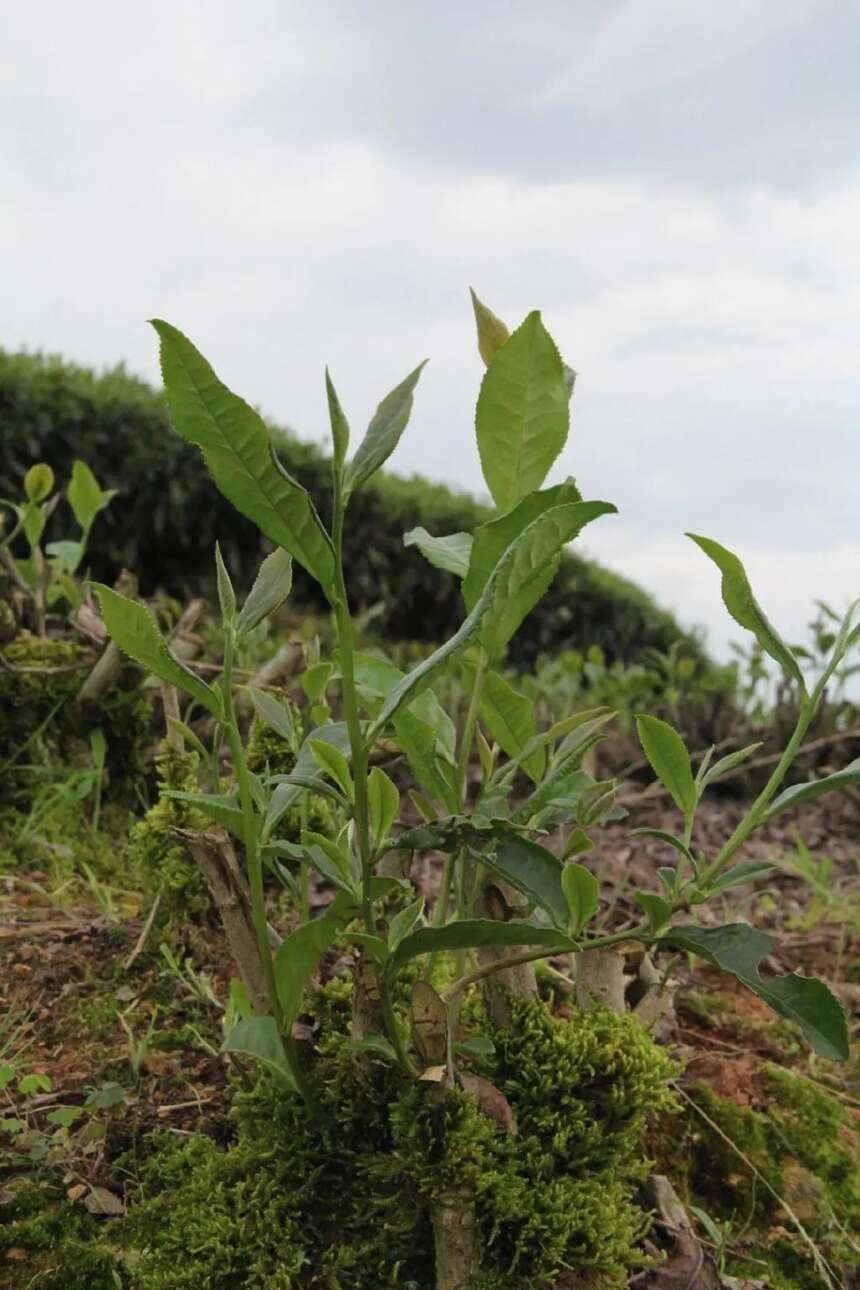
(54, 410)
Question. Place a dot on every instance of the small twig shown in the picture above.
(144, 933)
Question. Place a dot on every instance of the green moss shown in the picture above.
(155, 854)
(343, 1199)
(62, 1243)
(44, 736)
(805, 1149)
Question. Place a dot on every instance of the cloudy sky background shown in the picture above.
(676, 184)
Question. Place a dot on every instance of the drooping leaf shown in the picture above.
(745, 609)
(472, 934)
(132, 627)
(492, 539)
(339, 423)
(492, 332)
(258, 1037)
(669, 760)
(738, 948)
(522, 418)
(383, 433)
(297, 956)
(450, 553)
(271, 587)
(582, 894)
(797, 793)
(532, 870)
(383, 802)
(238, 452)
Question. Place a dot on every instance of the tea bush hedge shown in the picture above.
(165, 525)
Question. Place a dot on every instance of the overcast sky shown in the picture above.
(675, 183)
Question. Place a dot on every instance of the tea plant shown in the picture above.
(506, 900)
(46, 575)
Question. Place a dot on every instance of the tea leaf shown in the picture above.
(669, 760)
(132, 627)
(383, 433)
(274, 713)
(297, 956)
(223, 808)
(522, 418)
(403, 922)
(509, 594)
(492, 332)
(86, 496)
(226, 594)
(493, 538)
(383, 802)
(38, 482)
(450, 553)
(472, 934)
(339, 423)
(238, 452)
(727, 763)
(849, 774)
(582, 894)
(745, 609)
(509, 717)
(748, 871)
(659, 911)
(738, 949)
(258, 1037)
(333, 762)
(528, 567)
(271, 587)
(532, 870)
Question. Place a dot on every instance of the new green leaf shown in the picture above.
(296, 959)
(238, 452)
(669, 760)
(523, 416)
(849, 774)
(271, 587)
(383, 433)
(582, 893)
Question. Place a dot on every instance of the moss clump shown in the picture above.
(61, 1244)
(43, 732)
(42, 675)
(344, 1199)
(154, 853)
(806, 1148)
